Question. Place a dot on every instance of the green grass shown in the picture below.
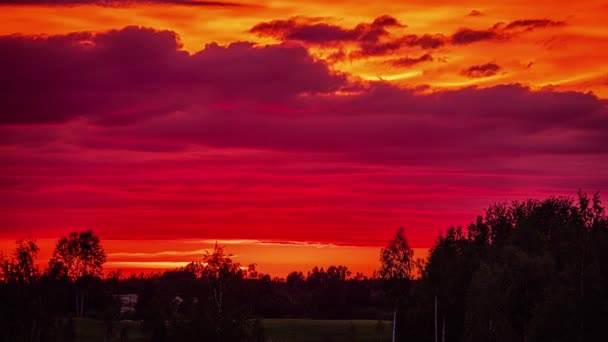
(309, 330)
(277, 330)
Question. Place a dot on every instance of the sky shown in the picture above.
(295, 133)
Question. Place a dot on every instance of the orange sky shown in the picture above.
(570, 57)
(158, 195)
(275, 258)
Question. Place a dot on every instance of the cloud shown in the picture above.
(139, 84)
(408, 61)
(117, 3)
(483, 70)
(375, 38)
(372, 38)
(474, 13)
(182, 253)
(426, 41)
(315, 33)
(271, 243)
(111, 77)
(530, 24)
(141, 265)
(137, 89)
(500, 31)
(467, 36)
(309, 30)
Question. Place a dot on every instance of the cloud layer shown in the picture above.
(112, 77)
(126, 132)
(379, 38)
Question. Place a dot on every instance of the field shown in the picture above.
(89, 330)
(277, 330)
(309, 330)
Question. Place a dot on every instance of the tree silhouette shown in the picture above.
(81, 256)
(295, 279)
(447, 275)
(22, 266)
(533, 270)
(221, 273)
(22, 313)
(396, 268)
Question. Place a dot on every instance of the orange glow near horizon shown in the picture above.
(278, 259)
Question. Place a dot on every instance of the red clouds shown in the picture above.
(123, 76)
(126, 133)
(273, 97)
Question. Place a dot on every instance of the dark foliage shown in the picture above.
(524, 271)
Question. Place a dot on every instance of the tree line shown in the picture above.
(535, 270)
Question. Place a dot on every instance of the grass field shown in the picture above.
(277, 330)
(309, 330)
(90, 330)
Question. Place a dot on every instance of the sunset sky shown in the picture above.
(295, 133)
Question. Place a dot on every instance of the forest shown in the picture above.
(533, 270)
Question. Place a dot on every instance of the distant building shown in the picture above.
(127, 302)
